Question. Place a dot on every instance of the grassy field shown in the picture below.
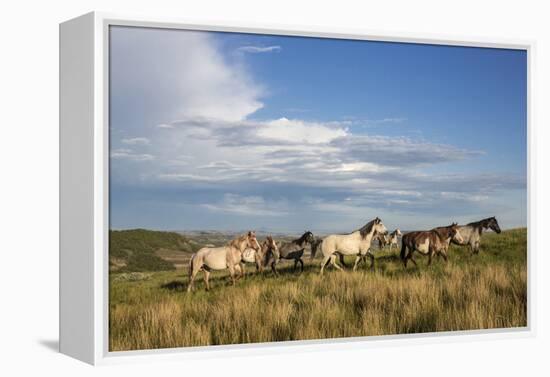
(489, 290)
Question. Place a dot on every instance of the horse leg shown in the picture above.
(371, 256)
(342, 261)
(333, 262)
(301, 265)
(206, 277)
(412, 260)
(357, 259)
(324, 263)
(232, 274)
(242, 269)
(190, 287)
(273, 269)
(193, 273)
(295, 264)
(476, 247)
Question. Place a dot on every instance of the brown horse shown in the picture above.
(383, 240)
(220, 258)
(261, 257)
(429, 242)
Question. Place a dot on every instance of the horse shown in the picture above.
(383, 240)
(356, 243)
(393, 238)
(292, 250)
(428, 242)
(261, 257)
(471, 233)
(220, 258)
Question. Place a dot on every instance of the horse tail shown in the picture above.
(190, 271)
(316, 245)
(403, 250)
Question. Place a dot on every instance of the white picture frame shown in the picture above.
(84, 192)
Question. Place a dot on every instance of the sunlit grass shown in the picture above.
(488, 290)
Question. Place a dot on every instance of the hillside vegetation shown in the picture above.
(484, 291)
(143, 250)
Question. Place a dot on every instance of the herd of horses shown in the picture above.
(246, 248)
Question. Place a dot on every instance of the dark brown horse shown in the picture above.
(428, 242)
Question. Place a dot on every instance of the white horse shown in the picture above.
(394, 238)
(220, 258)
(357, 243)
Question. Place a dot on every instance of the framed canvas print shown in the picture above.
(230, 189)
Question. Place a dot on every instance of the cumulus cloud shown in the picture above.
(174, 74)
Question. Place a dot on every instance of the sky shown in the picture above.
(230, 131)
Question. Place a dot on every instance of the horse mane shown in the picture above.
(236, 242)
(443, 231)
(481, 223)
(366, 229)
(300, 241)
(267, 242)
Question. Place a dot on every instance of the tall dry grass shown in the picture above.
(467, 293)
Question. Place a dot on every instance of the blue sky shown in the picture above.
(237, 131)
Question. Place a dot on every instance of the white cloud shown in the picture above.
(259, 49)
(180, 74)
(128, 154)
(136, 141)
(297, 131)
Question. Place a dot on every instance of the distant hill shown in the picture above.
(148, 250)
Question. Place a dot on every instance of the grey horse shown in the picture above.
(293, 250)
(471, 233)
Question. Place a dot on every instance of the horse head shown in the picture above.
(454, 233)
(271, 246)
(308, 237)
(493, 224)
(252, 242)
(379, 227)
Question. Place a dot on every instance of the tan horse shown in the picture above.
(220, 258)
(356, 243)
